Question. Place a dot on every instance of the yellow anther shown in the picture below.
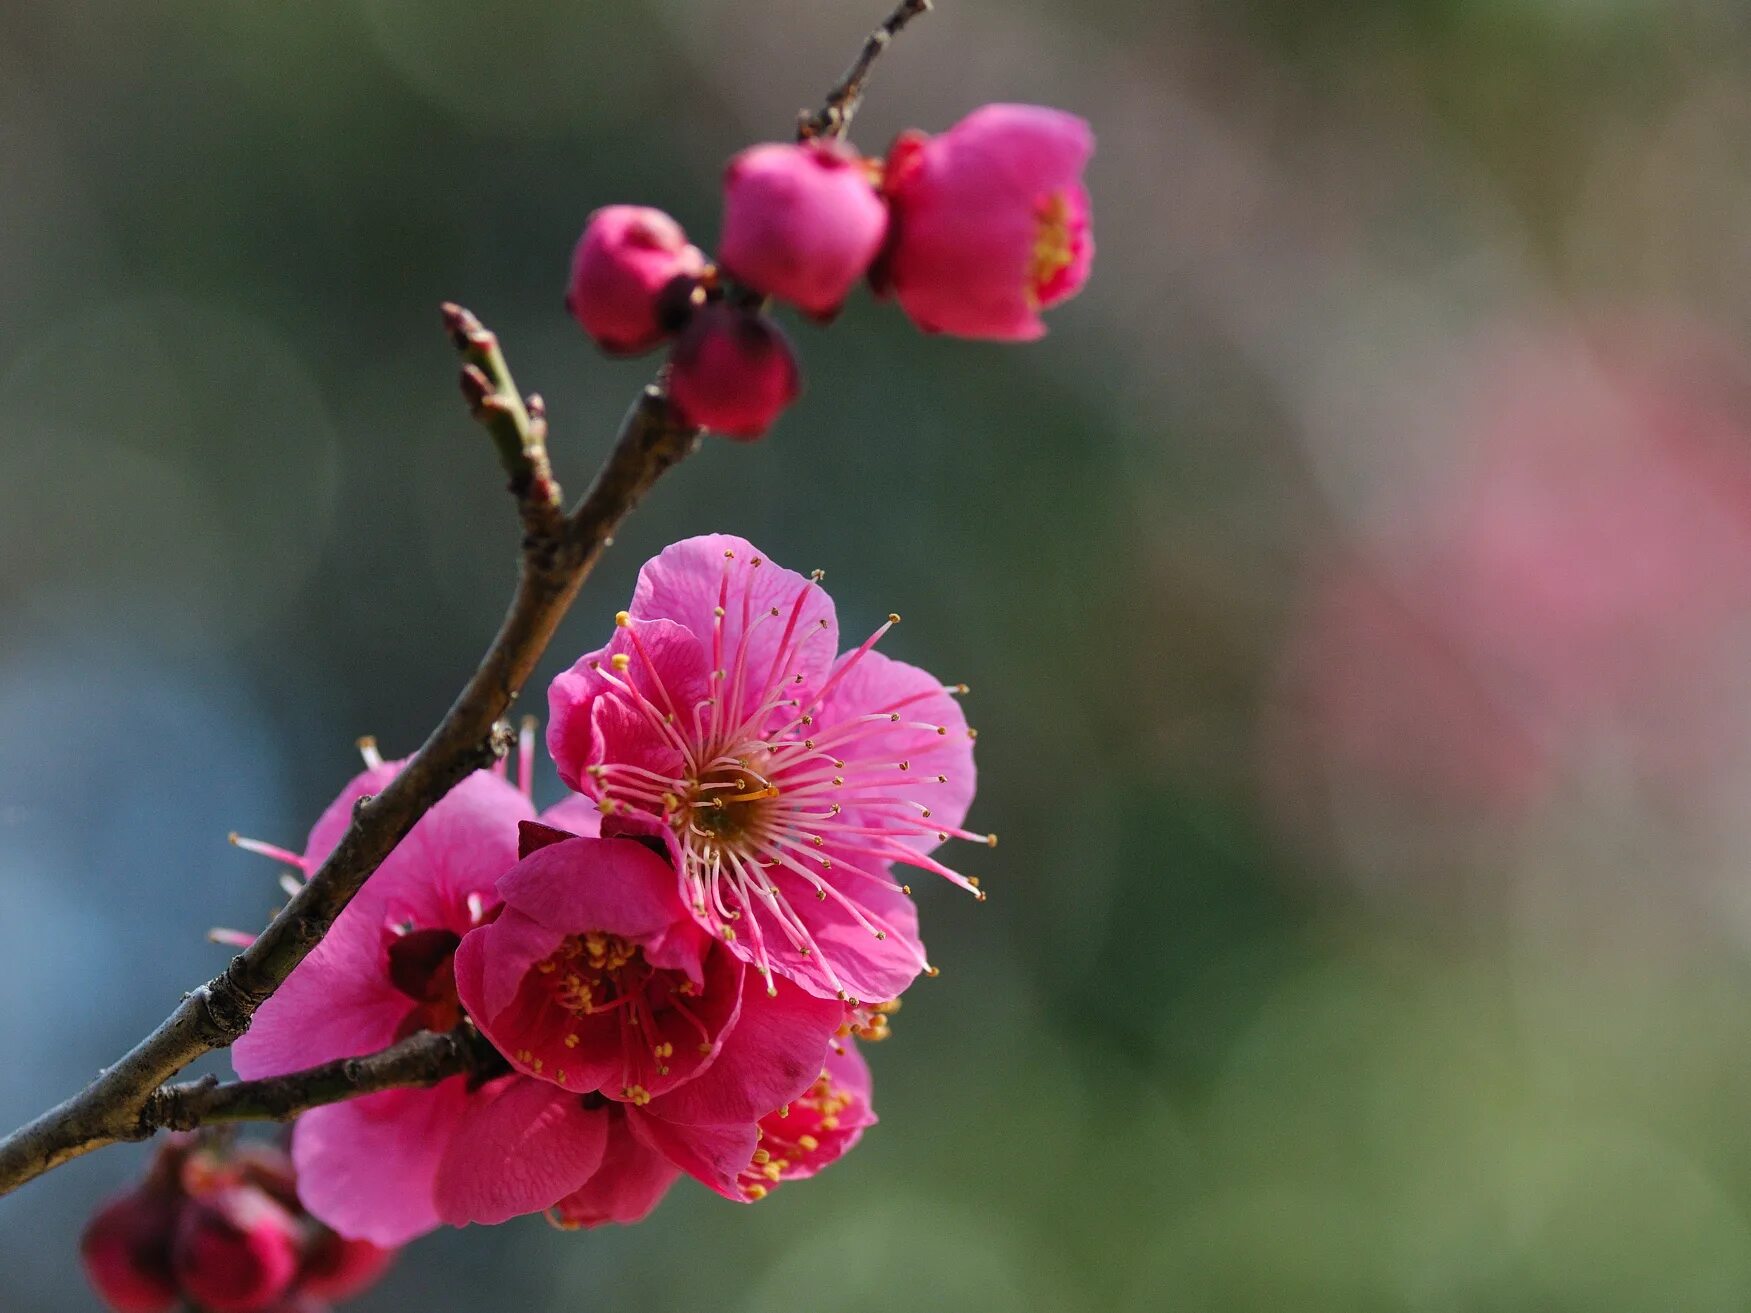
(622, 619)
(637, 1095)
(893, 617)
(620, 661)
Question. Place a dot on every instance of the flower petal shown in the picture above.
(631, 1181)
(617, 886)
(772, 1054)
(712, 1155)
(575, 814)
(366, 1167)
(687, 582)
(667, 673)
(518, 1150)
(876, 684)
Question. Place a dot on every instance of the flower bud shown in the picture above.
(627, 256)
(235, 1250)
(338, 1268)
(801, 223)
(126, 1251)
(990, 222)
(732, 371)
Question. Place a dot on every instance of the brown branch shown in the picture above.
(419, 1060)
(129, 1100)
(554, 565)
(833, 119)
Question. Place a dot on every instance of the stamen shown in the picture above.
(367, 745)
(262, 849)
(526, 756)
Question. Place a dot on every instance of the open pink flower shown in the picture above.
(990, 221)
(815, 1129)
(788, 778)
(390, 1166)
(595, 978)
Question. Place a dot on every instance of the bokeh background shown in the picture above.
(1355, 589)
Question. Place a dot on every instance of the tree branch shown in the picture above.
(419, 1060)
(518, 426)
(129, 1100)
(833, 119)
(554, 565)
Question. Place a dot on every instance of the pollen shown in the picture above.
(1054, 245)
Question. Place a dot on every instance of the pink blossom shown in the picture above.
(815, 1129)
(595, 978)
(335, 1267)
(787, 779)
(990, 221)
(801, 223)
(126, 1250)
(235, 1250)
(390, 1166)
(732, 371)
(627, 258)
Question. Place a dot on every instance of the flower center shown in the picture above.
(614, 997)
(790, 1138)
(422, 966)
(1058, 234)
(594, 972)
(730, 802)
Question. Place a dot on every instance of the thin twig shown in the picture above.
(833, 119)
(129, 1100)
(518, 425)
(419, 1060)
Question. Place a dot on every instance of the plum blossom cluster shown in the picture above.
(974, 232)
(219, 1227)
(678, 961)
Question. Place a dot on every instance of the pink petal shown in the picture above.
(493, 960)
(713, 1155)
(519, 1150)
(875, 683)
(460, 848)
(366, 1167)
(338, 1003)
(685, 582)
(669, 670)
(631, 1181)
(772, 1054)
(1029, 149)
(575, 814)
(617, 886)
(865, 967)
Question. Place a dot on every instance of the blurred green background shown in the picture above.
(1355, 589)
